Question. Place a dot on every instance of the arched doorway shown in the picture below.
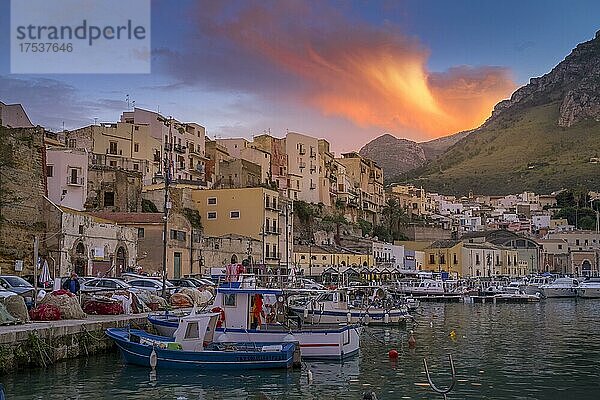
(80, 263)
(120, 261)
(586, 268)
(234, 259)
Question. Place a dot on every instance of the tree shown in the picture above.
(365, 226)
(394, 218)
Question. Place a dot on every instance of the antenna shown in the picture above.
(127, 100)
(63, 126)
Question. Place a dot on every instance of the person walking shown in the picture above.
(71, 284)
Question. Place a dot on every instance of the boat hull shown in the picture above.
(589, 292)
(551, 292)
(372, 317)
(140, 354)
(316, 343)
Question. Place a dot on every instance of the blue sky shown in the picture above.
(346, 71)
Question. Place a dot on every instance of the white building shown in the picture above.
(387, 254)
(66, 172)
(304, 161)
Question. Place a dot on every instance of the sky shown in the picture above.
(346, 71)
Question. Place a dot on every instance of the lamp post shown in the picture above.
(167, 178)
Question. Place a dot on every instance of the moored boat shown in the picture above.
(192, 347)
(589, 289)
(561, 287)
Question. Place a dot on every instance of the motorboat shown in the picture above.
(589, 289)
(368, 305)
(534, 283)
(561, 287)
(249, 314)
(193, 347)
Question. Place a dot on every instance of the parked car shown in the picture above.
(103, 285)
(46, 285)
(152, 285)
(185, 282)
(20, 286)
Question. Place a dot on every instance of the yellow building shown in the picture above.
(444, 256)
(252, 212)
(412, 199)
(315, 260)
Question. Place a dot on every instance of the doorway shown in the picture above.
(177, 265)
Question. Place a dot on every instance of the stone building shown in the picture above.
(219, 251)
(86, 244)
(113, 189)
(237, 173)
(22, 190)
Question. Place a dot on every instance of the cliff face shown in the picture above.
(574, 83)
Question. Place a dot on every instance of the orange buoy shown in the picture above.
(393, 353)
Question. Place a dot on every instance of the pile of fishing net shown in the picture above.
(152, 301)
(103, 306)
(45, 312)
(198, 297)
(66, 302)
(5, 316)
(181, 300)
(15, 306)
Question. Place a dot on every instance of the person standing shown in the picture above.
(72, 284)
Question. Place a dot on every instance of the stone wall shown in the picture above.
(126, 187)
(22, 187)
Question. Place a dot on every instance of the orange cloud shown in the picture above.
(373, 76)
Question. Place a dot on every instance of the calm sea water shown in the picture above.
(549, 350)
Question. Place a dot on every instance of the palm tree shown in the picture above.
(394, 217)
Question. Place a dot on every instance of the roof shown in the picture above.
(130, 217)
(443, 244)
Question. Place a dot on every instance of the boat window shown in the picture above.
(328, 297)
(192, 331)
(229, 300)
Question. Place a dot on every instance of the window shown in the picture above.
(431, 259)
(141, 233)
(234, 214)
(324, 258)
(136, 167)
(560, 246)
(74, 176)
(81, 229)
(211, 201)
(442, 259)
(112, 148)
(113, 163)
(192, 331)
(109, 199)
(229, 299)
(477, 261)
(136, 147)
(49, 171)
(267, 248)
(72, 143)
(178, 235)
(267, 225)
(211, 215)
(454, 259)
(577, 242)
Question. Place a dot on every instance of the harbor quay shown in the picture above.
(44, 343)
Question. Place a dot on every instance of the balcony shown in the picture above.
(74, 181)
(272, 256)
(272, 207)
(313, 186)
(302, 165)
(313, 154)
(179, 149)
(313, 168)
(302, 151)
(156, 157)
(273, 231)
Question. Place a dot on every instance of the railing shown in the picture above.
(302, 165)
(302, 151)
(179, 148)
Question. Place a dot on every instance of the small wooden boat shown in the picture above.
(192, 347)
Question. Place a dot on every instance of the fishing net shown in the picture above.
(67, 303)
(103, 306)
(15, 305)
(5, 317)
(45, 312)
(180, 300)
(200, 298)
(152, 301)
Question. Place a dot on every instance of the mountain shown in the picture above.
(397, 156)
(545, 137)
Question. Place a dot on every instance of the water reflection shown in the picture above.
(546, 350)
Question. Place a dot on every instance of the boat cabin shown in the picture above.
(248, 308)
(196, 330)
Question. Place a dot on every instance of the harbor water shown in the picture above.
(546, 350)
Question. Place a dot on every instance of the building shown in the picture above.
(237, 173)
(414, 200)
(67, 177)
(22, 191)
(388, 255)
(319, 260)
(555, 256)
(87, 244)
(288, 185)
(242, 149)
(14, 116)
(367, 177)
(444, 256)
(219, 251)
(113, 189)
(303, 163)
(183, 243)
(215, 155)
(578, 240)
(120, 145)
(250, 212)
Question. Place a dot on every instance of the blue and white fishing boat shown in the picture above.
(192, 347)
(240, 320)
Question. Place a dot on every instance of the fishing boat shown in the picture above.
(193, 347)
(534, 283)
(561, 287)
(258, 314)
(589, 289)
(370, 305)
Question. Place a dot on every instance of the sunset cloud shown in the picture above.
(373, 76)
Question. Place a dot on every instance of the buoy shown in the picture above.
(306, 313)
(393, 353)
(386, 318)
(309, 376)
(153, 359)
(412, 342)
(452, 335)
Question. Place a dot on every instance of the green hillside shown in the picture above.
(522, 149)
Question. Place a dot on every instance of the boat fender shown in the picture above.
(221, 319)
(412, 342)
(306, 313)
(153, 359)
(386, 318)
(349, 317)
(309, 376)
